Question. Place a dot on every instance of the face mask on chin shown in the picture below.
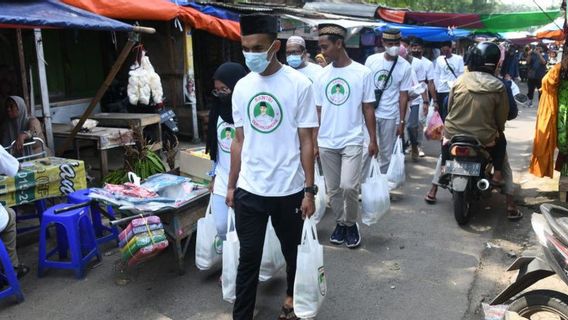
(257, 61)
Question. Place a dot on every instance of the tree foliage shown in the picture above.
(459, 6)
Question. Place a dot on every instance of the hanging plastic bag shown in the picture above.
(496, 312)
(208, 245)
(424, 118)
(272, 257)
(395, 172)
(231, 249)
(435, 127)
(310, 287)
(375, 198)
(321, 197)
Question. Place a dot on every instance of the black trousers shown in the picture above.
(252, 212)
(533, 84)
(443, 104)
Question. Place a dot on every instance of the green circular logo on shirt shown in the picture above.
(380, 79)
(337, 91)
(264, 113)
(225, 136)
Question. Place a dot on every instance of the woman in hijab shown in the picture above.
(18, 126)
(220, 134)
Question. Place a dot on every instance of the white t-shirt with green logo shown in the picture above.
(312, 71)
(270, 110)
(340, 93)
(225, 135)
(400, 80)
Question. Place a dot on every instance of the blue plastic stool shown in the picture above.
(74, 233)
(9, 276)
(82, 196)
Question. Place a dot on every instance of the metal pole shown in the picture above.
(32, 92)
(44, 90)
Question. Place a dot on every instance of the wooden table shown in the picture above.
(149, 121)
(104, 138)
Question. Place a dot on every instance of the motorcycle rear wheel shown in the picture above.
(462, 208)
(540, 303)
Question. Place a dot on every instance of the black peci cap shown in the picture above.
(258, 23)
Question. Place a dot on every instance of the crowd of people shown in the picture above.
(344, 115)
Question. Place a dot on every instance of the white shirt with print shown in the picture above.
(340, 92)
(270, 158)
(312, 71)
(225, 134)
(443, 75)
(400, 80)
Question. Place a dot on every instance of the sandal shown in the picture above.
(514, 214)
(429, 199)
(287, 313)
(21, 271)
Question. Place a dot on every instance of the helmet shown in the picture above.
(485, 55)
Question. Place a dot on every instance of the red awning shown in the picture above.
(159, 10)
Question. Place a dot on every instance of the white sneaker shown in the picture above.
(421, 153)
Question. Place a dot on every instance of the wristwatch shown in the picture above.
(313, 190)
(401, 121)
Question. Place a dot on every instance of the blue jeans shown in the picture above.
(220, 212)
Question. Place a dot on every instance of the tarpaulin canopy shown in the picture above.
(160, 10)
(552, 30)
(210, 10)
(53, 14)
(499, 22)
(430, 34)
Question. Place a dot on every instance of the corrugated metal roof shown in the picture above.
(346, 9)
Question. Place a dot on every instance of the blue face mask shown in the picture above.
(257, 61)
(294, 61)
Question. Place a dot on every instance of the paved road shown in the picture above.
(415, 264)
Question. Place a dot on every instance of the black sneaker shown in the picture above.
(338, 235)
(353, 238)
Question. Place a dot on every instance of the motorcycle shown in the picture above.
(551, 228)
(466, 175)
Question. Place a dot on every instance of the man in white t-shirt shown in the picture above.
(447, 68)
(345, 98)
(391, 90)
(297, 58)
(421, 102)
(272, 161)
(9, 166)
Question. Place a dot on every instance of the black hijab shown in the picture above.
(229, 73)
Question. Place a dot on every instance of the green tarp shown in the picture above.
(504, 22)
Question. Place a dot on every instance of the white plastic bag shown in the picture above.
(231, 249)
(321, 197)
(208, 245)
(395, 172)
(272, 257)
(375, 196)
(424, 118)
(310, 286)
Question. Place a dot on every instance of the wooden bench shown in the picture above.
(149, 121)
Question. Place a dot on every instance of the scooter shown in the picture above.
(466, 175)
(551, 228)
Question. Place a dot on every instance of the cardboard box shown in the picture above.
(195, 164)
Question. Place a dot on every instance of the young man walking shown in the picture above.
(447, 69)
(392, 80)
(273, 159)
(345, 99)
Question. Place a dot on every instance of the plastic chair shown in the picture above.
(82, 196)
(9, 276)
(75, 234)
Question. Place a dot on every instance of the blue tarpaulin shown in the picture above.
(430, 34)
(52, 13)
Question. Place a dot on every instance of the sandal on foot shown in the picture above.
(287, 314)
(429, 199)
(514, 214)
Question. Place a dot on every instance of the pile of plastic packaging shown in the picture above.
(143, 239)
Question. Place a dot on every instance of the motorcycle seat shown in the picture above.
(557, 218)
(461, 139)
